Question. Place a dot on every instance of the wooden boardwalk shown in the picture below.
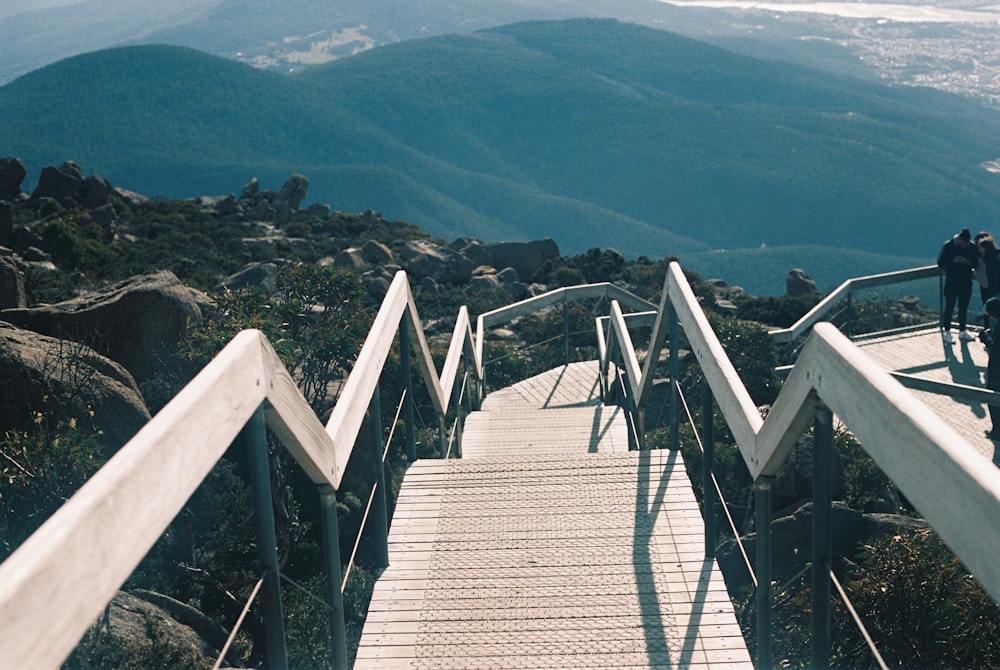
(923, 353)
(559, 551)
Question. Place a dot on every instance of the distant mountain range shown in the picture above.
(276, 34)
(594, 132)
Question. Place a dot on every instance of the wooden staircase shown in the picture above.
(549, 545)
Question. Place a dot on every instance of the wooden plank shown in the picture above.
(539, 563)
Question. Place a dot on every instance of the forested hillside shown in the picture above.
(595, 133)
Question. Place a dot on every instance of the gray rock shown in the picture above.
(799, 283)
(250, 189)
(12, 173)
(96, 191)
(55, 184)
(421, 258)
(255, 275)
(11, 284)
(349, 259)
(144, 619)
(376, 253)
(292, 192)
(482, 284)
(136, 322)
(71, 169)
(508, 276)
(66, 380)
(376, 285)
(794, 482)
(6, 224)
(525, 257)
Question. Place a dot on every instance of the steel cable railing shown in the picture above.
(857, 619)
(718, 489)
(859, 624)
(371, 498)
(239, 622)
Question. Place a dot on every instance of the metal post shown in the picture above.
(456, 394)
(850, 320)
(404, 361)
(708, 465)
(566, 326)
(380, 519)
(675, 373)
(254, 436)
(762, 496)
(822, 544)
(331, 546)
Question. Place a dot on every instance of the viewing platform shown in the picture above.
(924, 355)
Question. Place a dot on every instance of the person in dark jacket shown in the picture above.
(988, 269)
(958, 258)
(993, 366)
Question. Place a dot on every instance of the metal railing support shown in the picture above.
(675, 373)
(566, 327)
(254, 436)
(708, 465)
(456, 401)
(380, 505)
(822, 543)
(404, 363)
(331, 553)
(762, 501)
(849, 327)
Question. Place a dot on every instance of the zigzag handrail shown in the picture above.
(954, 486)
(60, 579)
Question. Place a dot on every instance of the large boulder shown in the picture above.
(137, 322)
(12, 173)
(525, 257)
(292, 193)
(11, 283)
(6, 224)
(421, 258)
(263, 276)
(797, 282)
(65, 380)
(60, 183)
(153, 629)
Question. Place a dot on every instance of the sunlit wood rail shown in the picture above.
(550, 545)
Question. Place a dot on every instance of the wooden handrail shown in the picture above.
(59, 580)
(950, 483)
(797, 329)
(55, 585)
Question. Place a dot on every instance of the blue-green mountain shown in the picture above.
(594, 132)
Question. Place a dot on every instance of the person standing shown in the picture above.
(993, 366)
(988, 269)
(957, 259)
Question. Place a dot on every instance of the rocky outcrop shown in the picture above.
(12, 173)
(11, 283)
(525, 258)
(791, 539)
(63, 380)
(135, 322)
(421, 258)
(149, 623)
(292, 193)
(263, 276)
(799, 283)
(60, 183)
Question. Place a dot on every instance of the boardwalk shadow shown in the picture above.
(662, 651)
